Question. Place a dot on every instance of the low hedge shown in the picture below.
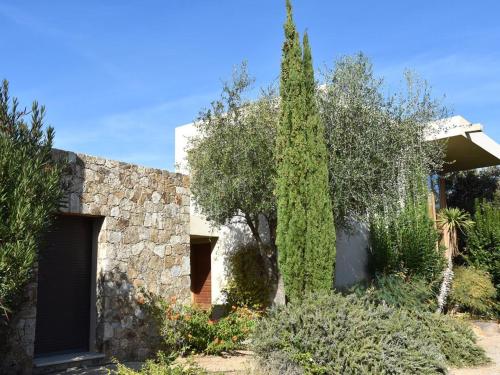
(335, 334)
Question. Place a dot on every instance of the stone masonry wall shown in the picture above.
(143, 244)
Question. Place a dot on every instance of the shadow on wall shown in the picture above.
(125, 328)
(352, 251)
(352, 256)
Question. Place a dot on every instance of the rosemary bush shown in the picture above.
(333, 334)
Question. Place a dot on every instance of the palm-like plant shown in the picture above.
(451, 220)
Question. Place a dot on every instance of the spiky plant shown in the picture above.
(451, 220)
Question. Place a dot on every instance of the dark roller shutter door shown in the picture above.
(63, 305)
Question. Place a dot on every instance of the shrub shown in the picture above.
(395, 290)
(483, 241)
(187, 329)
(248, 283)
(30, 191)
(406, 242)
(161, 366)
(333, 334)
(473, 291)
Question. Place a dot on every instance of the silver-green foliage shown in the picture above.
(397, 291)
(333, 334)
(231, 158)
(377, 147)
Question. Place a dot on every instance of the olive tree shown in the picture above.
(232, 161)
(378, 153)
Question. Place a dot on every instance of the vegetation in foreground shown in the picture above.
(335, 334)
(162, 365)
(472, 291)
(30, 193)
(188, 329)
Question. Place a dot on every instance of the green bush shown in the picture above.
(395, 290)
(248, 282)
(406, 242)
(30, 191)
(161, 366)
(473, 291)
(483, 241)
(334, 334)
(187, 329)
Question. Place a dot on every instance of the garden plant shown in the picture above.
(30, 194)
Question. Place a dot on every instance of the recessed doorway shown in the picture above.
(66, 286)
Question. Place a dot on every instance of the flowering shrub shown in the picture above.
(188, 329)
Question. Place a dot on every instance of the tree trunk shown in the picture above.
(270, 258)
(278, 296)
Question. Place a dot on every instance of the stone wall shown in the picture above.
(142, 244)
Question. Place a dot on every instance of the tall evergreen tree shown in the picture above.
(305, 233)
(320, 230)
(291, 166)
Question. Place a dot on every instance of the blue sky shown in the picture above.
(118, 76)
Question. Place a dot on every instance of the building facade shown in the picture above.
(123, 232)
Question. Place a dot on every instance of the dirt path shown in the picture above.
(489, 338)
(239, 362)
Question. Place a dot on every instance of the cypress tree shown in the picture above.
(305, 234)
(320, 230)
(291, 167)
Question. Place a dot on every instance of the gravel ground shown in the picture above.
(239, 362)
(489, 338)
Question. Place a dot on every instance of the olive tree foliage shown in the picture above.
(30, 193)
(378, 155)
(231, 160)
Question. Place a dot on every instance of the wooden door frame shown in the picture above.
(199, 240)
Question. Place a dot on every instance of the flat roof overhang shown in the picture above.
(470, 152)
(468, 147)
